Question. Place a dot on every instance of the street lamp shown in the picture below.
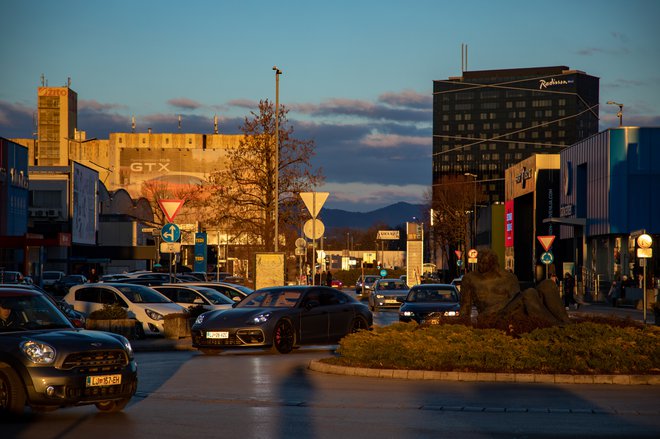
(474, 212)
(619, 113)
(278, 72)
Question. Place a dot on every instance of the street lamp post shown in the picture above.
(619, 113)
(474, 211)
(278, 72)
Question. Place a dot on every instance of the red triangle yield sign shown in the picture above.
(546, 241)
(170, 208)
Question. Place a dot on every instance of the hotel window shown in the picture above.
(547, 113)
(493, 146)
(521, 104)
(496, 126)
(509, 104)
(561, 133)
(512, 114)
(483, 116)
(445, 158)
(518, 156)
(486, 157)
(467, 117)
(459, 157)
(509, 125)
(561, 112)
(445, 108)
(507, 156)
(490, 94)
(445, 117)
(469, 157)
(460, 127)
(458, 117)
(547, 134)
(518, 125)
(470, 127)
(483, 147)
(511, 146)
(492, 115)
(522, 114)
(562, 102)
(486, 126)
(535, 135)
(522, 135)
(463, 107)
(489, 105)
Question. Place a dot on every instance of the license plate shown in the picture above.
(391, 301)
(103, 380)
(217, 334)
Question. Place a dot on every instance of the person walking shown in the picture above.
(328, 279)
(569, 289)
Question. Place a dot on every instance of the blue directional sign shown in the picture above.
(170, 232)
(383, 272)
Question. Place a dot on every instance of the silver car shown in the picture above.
(385, 293)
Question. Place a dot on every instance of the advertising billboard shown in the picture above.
(84, 213)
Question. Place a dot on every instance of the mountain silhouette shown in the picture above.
(392, 216)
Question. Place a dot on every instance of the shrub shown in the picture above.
(109, 312)
(582, 348)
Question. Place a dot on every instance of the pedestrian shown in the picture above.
(615, 293)
(328, 279)
(93, 276)
(569, 287)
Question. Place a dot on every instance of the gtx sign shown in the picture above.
(150, 166)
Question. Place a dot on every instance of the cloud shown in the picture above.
(184, 103)
(16, 120)
(393, 140)
(408, 98)
(244, 103)
(363, 109)
(93, 105)
(624, 83)
(366, 197)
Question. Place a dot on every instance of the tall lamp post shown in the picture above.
(278, 72)
(474, 212)
(619, 113)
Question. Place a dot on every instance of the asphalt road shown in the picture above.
(252, 394)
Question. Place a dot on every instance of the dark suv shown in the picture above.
(46, 363)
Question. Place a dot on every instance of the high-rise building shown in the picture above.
(486, 121)
(57, 122)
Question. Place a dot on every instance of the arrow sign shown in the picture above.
(546, 241)
(170, 208)
(314, 201)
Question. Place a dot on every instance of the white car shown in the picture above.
(192, 295)
(144, 304)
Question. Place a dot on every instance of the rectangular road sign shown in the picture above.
(388, 234)
(170, 247)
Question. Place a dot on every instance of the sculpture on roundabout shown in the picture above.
(496, 295)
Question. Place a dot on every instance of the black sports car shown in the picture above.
(430, 304)
(282, 318)
(46, 363)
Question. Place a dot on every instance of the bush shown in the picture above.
(581, 348)
(109, 312)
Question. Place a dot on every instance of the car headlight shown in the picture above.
(407, 313)
(38, 353)
(200, 319)
(127, 346)
(261, 318)
(451, 313)
(379, 296)
(153, 314)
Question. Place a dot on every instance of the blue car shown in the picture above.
(430, 304)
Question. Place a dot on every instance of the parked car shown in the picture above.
(48, 278)
(11, 277)
(282, 318)
(112, 277)
(366, 280)
(46, 363)
(163, 277)
(233, 291)
(457, 283)
(192, 295)
(62, 286)
(384, 293)
(144, 304)
(430, 304)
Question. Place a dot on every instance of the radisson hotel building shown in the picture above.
(486, 121)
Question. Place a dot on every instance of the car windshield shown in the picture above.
(141, 294)
(432, 295)
(30, 312)
(392, 285)
(72, 278)
(271, 298)
(241, 288)
(214, 297)
(51, 275)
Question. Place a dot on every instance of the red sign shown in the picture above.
(546, 241)
(458, 253)
(170, 208)
(508, 223)
(64, 239)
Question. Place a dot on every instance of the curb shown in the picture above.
(318, 366)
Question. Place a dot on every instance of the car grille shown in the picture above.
(95, 361)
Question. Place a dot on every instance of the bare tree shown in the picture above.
(245, 201)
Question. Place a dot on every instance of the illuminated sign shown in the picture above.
(508, 223)
(545, 83)
(47, 91)
(525, 174)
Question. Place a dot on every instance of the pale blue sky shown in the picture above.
(357, 75)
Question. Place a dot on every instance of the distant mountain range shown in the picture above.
(392, 215)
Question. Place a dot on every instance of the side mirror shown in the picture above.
(236, 299)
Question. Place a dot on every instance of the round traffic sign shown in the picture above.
(314, 229)
(170, 232)
(644, 241)
(301, 243)
(473, 253)
(459, 262)
(383, 272)
(547, 258)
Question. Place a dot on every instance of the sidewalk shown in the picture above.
(160, 344)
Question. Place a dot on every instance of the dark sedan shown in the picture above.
(282, 318)
(46, 363)
(62, 286)
(430, 304)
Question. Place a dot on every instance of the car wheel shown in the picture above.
(12, 392)
(112, 406)
(359, 323)
(284, 337)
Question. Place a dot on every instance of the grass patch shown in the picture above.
(586, 347)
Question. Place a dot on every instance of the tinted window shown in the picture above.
(88, 295)
(140, 294)
(432, 295)
(272, 298)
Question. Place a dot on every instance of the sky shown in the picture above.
(357, 76)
